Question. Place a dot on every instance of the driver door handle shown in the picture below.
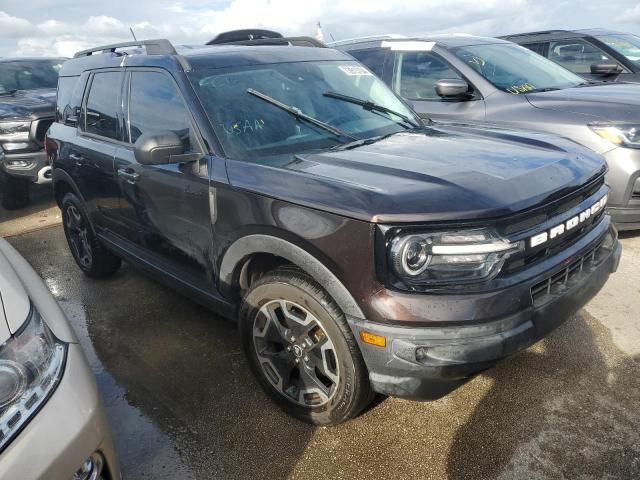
(129, 175)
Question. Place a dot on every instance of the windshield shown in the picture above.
(28, 74)
(515, 69)
(627, 45)
(251, 128)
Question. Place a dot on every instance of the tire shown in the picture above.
(320, 377)
(90, 255)
(15, 192)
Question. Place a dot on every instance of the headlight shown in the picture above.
(14, 131)
(31, 365)
(620, 134)
(449, 257)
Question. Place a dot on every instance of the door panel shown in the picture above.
(165, 208)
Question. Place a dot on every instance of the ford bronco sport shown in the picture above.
(360, 248)
(27, 102)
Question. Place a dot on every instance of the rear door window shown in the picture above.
(577, 55)
(102, 112)
(156, 106)
(416, 74)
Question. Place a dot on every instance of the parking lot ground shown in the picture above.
(41, 213)
(183, 404)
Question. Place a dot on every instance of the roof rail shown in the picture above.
(368, 38)
(160, 46)
(233, 36)
(291, 41)
(541, 32)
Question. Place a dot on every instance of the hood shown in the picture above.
(610, 101)
(452, 172)
(28, 104)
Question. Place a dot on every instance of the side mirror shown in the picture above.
(157, 148)
(605, 69)
(452, 89)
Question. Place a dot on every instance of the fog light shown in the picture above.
(373, 339)
(91, 469)
(18, 163)
(10, 147)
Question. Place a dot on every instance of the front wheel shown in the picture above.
(301, 349)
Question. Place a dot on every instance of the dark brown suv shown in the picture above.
(360, 249)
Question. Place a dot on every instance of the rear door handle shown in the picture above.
(129, 175)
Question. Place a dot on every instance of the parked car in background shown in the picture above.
(288, 188)
(52, 422)
(475, 79)
(27, 103)
(596, 54)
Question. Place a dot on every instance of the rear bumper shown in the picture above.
(428, 362)
(70, 427)
(32, 165)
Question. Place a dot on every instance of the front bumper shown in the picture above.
(32, 165)
(426, 363)
(69, 428)
(624, 180)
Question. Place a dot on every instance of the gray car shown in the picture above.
(52, 422)
(595, 54)
(476, 79)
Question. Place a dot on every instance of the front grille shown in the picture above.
(559, 282)
(41, 129)
(521, 229)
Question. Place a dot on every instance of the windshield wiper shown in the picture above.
(299, 115)
(371, 106)
(547, 89)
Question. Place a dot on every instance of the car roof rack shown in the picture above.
(233, 36)
(160, 46)
(253, 36)
(541, 32)
(368, 38)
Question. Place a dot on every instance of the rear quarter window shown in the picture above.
(69, 100)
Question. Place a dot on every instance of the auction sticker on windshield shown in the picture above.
(355, 70)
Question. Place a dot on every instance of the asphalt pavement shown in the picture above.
(183, 404)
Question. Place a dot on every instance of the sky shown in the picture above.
(48, 27)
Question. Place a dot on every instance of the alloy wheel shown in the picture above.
(295, 353)
(78, 234)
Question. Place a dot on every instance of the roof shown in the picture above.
(445, 40)
(202, 56)
(560, 34)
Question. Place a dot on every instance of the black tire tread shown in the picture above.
(296, 277)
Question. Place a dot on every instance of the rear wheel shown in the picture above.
(15, 192)
(301, 349)
(90, 255)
